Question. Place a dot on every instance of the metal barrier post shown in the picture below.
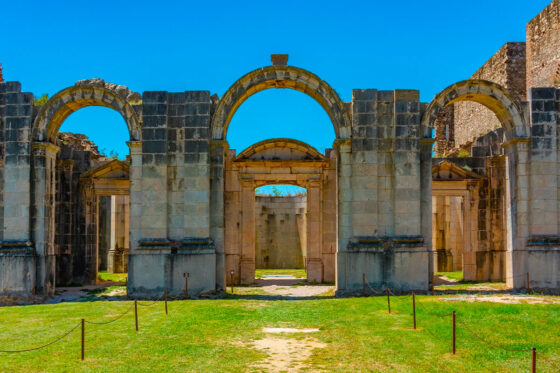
(454, 333)
(136, 313)
(388, 301)
(83, 338)
(414, 309)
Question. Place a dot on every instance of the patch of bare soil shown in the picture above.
(508, 299)
(286, 354)
(291, 288)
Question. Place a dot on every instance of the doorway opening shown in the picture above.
(281, 232)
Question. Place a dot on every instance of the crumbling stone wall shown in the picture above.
(543, 48)
(281, 231)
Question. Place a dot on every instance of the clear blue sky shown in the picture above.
(207, 45)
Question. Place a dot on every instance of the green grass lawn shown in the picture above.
(451, 275)
(114, 277)
(215, 335)
(466, 285)
(297, 273)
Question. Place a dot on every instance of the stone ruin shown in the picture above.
(382, 202)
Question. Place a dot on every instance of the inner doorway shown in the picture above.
(281, 232)
(280, 161)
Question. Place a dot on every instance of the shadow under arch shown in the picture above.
(280, 77)
(493, 96)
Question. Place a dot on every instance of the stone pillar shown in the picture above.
(217, 160)
(517, 210)
(344, 150)
(426, 200)
(91, 207)
(43, 219)
(135, 196)
(313, 221)
(329, 219)
(247, 263)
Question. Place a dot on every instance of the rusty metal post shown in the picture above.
(363, 284)
(533, 360)
(388, 301)
(136, 313)
(231, 280)
(454, 333)
(414, 309)
(165, 298)
(83, 339)
(528, 284)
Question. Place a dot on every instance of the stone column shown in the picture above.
(517, 211)
(217, 159)
(344, 149)
(43, 219)
(426, 199)
(247, 265)
(314, 263)
(135, 196)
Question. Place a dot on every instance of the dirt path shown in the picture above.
(285, 354)
(289, 288)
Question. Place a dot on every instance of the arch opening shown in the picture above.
(473, 222)
(82, 193)
(280, 77)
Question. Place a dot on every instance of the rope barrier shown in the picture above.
(45, 345)
(110, 321)
(550, 362)
(490, 343)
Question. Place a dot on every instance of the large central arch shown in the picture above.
(280, 77)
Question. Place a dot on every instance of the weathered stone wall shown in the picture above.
(281, 231)
(543, 48)
(170, 196)
(382, 235)
(506, 68)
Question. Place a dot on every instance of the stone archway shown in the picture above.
(491, 95)
(276, 76)
(512, 117)
(91, 92)
(280, 77)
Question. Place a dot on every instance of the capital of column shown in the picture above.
(44, 148)
(522, 143)
(135, 147)
(343, 145)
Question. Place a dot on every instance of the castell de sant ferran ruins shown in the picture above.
(469, 181)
